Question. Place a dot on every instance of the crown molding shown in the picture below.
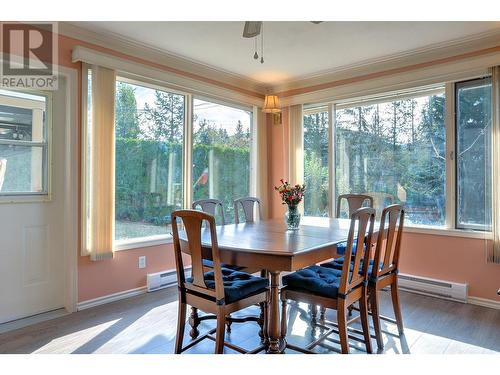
(305, 83)
(412, 57)
(142, 50)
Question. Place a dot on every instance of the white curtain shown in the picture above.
(494, 251)
(101, 194)
(260, 169)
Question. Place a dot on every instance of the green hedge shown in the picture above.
(142, 178)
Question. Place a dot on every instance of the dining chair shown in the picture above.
(386, 255)
(354, 202)
(248, 205)
(209, 206)
(336, 289)
(220, 291)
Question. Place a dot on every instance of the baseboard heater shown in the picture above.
(160, 280)
(435, 288)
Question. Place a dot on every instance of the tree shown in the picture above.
(127, 117)
(241, 138)
(165, 120)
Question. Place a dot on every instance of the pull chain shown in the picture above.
(262, 45)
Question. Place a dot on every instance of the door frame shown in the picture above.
(71, 188)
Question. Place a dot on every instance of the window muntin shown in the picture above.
(395, 151)
(316, 133)
(473, 154)
(23, 143)
(149, 157)
(221, 153)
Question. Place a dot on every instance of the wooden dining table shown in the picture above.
(267, 244)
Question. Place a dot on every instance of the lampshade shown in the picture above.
(271, 104)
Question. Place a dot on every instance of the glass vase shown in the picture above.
(292, 217)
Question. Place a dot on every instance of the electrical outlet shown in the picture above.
(142, 261)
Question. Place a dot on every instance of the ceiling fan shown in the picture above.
(252, 29)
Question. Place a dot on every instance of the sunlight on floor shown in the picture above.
(71, 342)
(413, 341)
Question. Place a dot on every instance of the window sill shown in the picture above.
(25, 198)
(137, 243)
(442, 231)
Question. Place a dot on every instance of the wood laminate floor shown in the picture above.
(147, 324)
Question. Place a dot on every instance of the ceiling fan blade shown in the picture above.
(316, 22)
(252, 29)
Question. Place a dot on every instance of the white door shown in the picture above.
(32, 199)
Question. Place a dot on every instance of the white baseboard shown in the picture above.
(110, 298)
(492, 304)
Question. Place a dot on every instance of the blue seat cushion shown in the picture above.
(341, 247)
(210, 264)
(322, 281)
(237, 285)
(339, 263)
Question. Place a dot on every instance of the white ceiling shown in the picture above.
(292, 50)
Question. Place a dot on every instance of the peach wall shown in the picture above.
(97, 279)
(277, 151)
(451, 258)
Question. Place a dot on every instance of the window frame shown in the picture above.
(450, 227)
(46, 145)
(189, 96)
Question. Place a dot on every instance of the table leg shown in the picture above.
(276, 343)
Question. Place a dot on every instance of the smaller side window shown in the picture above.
(473, 148)
(23, 144)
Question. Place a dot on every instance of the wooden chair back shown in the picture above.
(351, 277)
(388, 241)
(209, 206)
(248, 204)
(354, 202)
(192, 221)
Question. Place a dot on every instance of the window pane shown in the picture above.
(316, 163)
(149, 136)
(473, 121)
(221, 154)
(21, 169)
(22, 127)
(395, 152)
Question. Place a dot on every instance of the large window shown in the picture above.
(149, 152)
(473, 149)
(152, 175)
(408, 148)
(316, 161)
(394, 150)
(23, 143)
(221, 153)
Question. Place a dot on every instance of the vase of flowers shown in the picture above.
(291, 195)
